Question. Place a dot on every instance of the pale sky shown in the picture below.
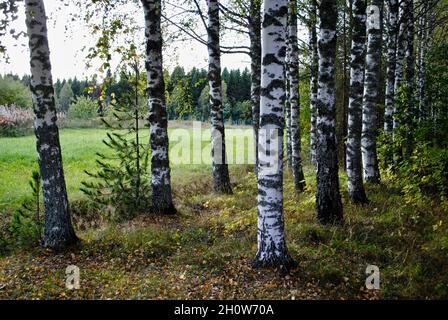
(67, 40)
(68, 57)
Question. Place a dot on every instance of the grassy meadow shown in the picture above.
(205, 251)
(18, 158)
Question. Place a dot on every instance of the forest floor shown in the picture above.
(205, 251)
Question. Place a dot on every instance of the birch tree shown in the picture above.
(392, 28)
(399, 62)
(294, 98)
(272, 250)
(287, 103)
(255, 65)
(371, 88)
(424, 35)
(58, 229)
(161, 199)
(356, 190)
(410, 74)
(328, 198)
(221, 179)
(314, 65)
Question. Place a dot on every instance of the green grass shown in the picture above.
(18, 159)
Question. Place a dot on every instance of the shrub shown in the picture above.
(83, 108)
(427, 171)
(13, 92)
(15, 121)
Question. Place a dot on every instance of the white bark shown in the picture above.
(58, 229)
(328, 198)
(371, 89)
(161, 197)
(294, 98)
(272, 250)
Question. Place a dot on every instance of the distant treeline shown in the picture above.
(186, 93)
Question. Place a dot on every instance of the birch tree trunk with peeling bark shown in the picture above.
(314, 65)
(294, 99)
(356, 190)
(371, 89)
(58, 229)
(328, 198)
(161, 198)
(272, 250)
(221, 179)
(255, 65)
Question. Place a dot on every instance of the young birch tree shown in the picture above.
(161, 198)
(328, 198)
(356, 190)
(294, 98)
(371, 93)
(272, 250)
(58, 229)
(221, 179)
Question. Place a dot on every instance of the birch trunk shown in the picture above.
(421, 57)
(161, 199)
(424, 35)
(410, 73)
(272, 250)
(328, 198)
(58, 229)
(314, 65)
(356, 190)
(399, 67)
(294, 99)
(221, 179)
(287, 104)
(371, 89)
(390, 80)
(255, 55)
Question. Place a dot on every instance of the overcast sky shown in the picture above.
(67, 40)
(68, 57)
